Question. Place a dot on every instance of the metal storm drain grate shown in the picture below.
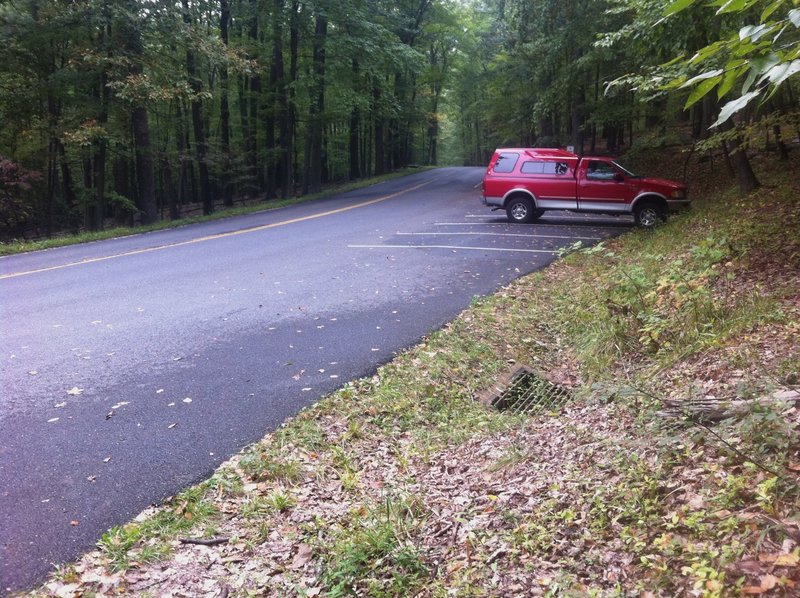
(524, 391)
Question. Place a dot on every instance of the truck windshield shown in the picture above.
(626, 171)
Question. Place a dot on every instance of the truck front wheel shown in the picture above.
(522, 210)
(648, 214)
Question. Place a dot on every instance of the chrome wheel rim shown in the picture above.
(519, 211)
(648, 217)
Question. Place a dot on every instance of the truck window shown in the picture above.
(600, 171)
(505, 163)
(541, 167)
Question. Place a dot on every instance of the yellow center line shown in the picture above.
(221, 235)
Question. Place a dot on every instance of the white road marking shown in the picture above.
(504, 235)
(450, 247)
(568, 216)
(509, 224)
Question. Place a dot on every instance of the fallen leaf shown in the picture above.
(52, 420)
(74, 522)
(75, 391)
(787, 560)
(63, 590)
(187, 400)
(752, 590)
(303, 556)
(768, 582)
(169, 427)
(749, 567)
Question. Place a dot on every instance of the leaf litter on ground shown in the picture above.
(402, 484)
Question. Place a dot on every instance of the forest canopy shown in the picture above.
(127, 112)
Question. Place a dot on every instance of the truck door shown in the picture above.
(552, 182)
(603, 188)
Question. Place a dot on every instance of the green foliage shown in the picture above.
(117, 542)
(77, 81)
(760, 56)
(265, 463)
(663, 308)
(373, 554)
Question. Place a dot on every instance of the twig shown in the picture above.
(744, 456)
(150, 585)
(201, 542)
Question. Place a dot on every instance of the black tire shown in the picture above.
(521, 210)
(649, 214)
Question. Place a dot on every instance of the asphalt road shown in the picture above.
(131, 368)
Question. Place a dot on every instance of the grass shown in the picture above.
(373, 553)
(402, 483)
(16, 246)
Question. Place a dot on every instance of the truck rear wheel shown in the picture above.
(522, 210)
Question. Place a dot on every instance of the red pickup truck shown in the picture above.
(527, 181)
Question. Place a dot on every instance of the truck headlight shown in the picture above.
(679, 194)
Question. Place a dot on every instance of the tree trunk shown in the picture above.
(224, 110)
(355, 125)
(103, 95)
(144, 166)
(200, 146)
(145, 179)
(380, 153)
(283, 158)
(68, 192)
(436, 90)
(120, 171)
(290, 145)
(88, 181)
(739, 161)
(272, 108)
(255, 91)
(244, 123)
(314, 146)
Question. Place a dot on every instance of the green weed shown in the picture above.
(266, 464)
(280, 501)
(117, 542)
(374, 555)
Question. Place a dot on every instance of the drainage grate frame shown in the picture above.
(522, 390)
